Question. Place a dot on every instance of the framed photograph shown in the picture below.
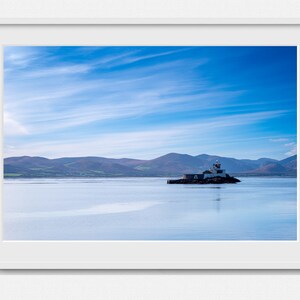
(158, 147)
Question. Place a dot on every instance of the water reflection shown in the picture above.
(123, 209)
(217, 200)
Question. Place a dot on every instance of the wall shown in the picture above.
(149, 284)
(154, 285)
(207, 10)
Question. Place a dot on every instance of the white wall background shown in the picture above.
(154, 285)
(149, 284)
(150, 9)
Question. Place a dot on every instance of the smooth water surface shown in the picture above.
(149, 209)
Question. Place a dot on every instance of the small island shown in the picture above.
(215, 175)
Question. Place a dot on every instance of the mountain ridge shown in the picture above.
(171, 164)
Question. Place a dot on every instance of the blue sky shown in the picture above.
(143, 102)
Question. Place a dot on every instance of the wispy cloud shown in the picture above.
(61, 70)
(137, 143)
(289, 144)
(127, 101)
(19, 57)
(292, 149)
(279, 140)
(134, 59)
(12, 127)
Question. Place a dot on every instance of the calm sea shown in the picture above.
(149, 209)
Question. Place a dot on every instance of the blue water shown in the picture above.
(149, 209)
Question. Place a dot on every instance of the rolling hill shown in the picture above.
(172, 164)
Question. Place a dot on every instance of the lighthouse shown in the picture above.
(214, 175)
(215, 171)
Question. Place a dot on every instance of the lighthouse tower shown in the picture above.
(215, 171)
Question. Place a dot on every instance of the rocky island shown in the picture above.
(214, 175)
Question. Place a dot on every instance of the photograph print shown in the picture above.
(150, 143)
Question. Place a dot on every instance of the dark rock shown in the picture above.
(214, 180)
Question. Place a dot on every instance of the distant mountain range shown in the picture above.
(172, 164)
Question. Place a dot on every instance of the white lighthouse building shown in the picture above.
(214, 175)
(215, 171)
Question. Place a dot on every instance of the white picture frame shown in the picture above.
(150, 12)
(150, 254)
